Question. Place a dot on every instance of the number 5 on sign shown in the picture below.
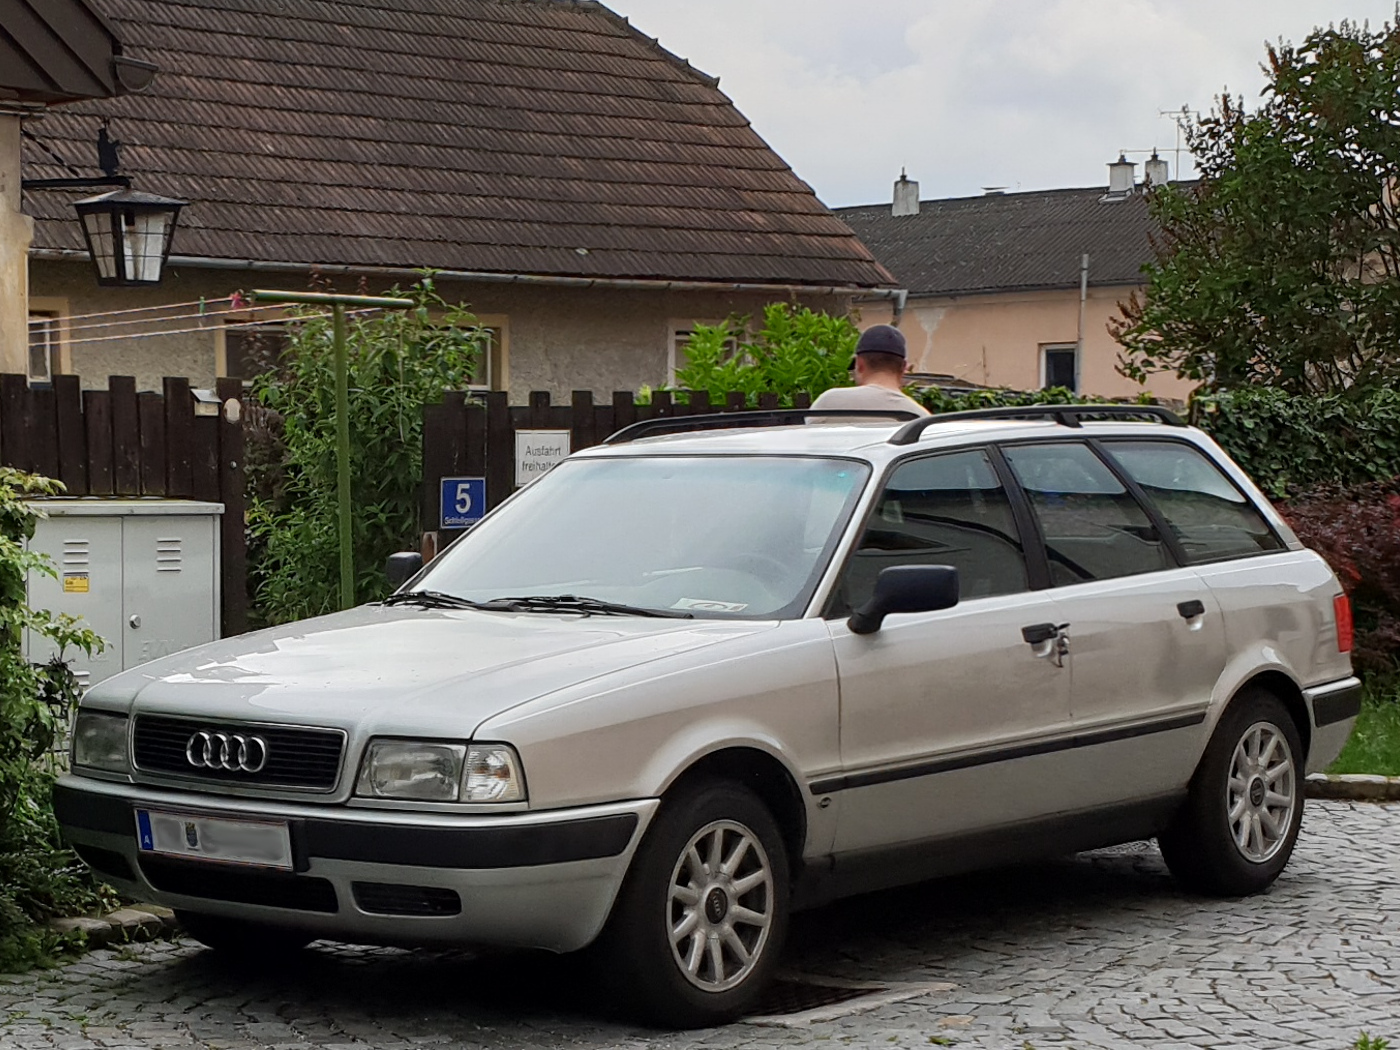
(463, 502)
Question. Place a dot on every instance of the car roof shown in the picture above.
(871, 440)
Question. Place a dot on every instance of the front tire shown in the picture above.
(1241, 819)
(701, 919)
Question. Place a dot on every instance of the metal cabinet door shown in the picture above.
(164, 609)
(87, 553)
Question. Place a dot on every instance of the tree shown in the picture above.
(1281, 266)
(398, 361)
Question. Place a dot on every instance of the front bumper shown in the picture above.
(530, 880)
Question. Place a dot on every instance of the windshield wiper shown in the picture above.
(431, 600)
(576, 604)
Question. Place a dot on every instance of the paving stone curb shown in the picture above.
(1355, 786)
(140, 922)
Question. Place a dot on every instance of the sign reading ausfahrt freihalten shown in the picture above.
(537, 451)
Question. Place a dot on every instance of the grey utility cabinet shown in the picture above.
(142, 573)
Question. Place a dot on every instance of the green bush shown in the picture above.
(39, 878)
(796, 351)
(398, 361)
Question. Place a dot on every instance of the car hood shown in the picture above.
(403, 669)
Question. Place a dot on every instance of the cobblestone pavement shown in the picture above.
(1096, 951)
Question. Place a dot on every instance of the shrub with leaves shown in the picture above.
(398, 361)
(1357, 529)
(38, 877)
(797, 350)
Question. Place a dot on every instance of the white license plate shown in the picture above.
(262, 842)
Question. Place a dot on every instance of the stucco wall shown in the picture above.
(15, 233)
(996, 340)
(558, 339)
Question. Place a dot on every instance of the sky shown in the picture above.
(969, 94)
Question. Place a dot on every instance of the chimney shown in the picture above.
(1120, 177)
(906, 196)
(1155, 171)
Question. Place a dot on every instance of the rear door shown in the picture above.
(1144, 633)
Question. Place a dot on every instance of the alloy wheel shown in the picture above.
(720, 908)
(1262, 792)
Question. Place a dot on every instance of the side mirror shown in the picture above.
(402, 567)
(906, 589)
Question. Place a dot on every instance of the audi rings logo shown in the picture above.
(231, 751)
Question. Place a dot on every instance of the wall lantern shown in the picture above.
(128, 234)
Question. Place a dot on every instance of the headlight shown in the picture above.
(428, 771)
(99, 741)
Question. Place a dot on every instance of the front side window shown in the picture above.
(1093, 527)
(940, 510)
(1211, 518)
(727, 536)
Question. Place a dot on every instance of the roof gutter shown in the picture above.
(546, 280)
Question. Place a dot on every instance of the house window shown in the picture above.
(45, 346)
(251, 350)
(1059, 366)
(676, 356)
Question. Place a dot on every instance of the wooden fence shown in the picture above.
(474, 437)
(118, 442)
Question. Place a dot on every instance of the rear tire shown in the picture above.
(697, 929)
(241, 941)
(1241, 819)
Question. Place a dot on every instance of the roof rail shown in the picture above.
(1065, 415)
(762, 417)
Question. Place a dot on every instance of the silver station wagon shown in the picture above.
(688, 682)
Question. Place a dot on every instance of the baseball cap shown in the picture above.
(882, 339)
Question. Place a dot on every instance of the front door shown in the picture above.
(945, 715)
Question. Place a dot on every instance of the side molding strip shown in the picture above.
(1005, 754)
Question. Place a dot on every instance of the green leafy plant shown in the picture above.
(1279, 266)
(797, 350)
(39, 878)
(398, 361)
(1368, 1042)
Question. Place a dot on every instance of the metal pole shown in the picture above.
(338, 303)
(342, 458)
(1079, 338)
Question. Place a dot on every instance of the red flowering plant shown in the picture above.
(1357, 529)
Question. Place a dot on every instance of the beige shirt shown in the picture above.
(869, 397)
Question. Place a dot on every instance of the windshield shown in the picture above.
(740, 536)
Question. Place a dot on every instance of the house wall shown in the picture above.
(16, 231)
(996, 340)
(558, 339)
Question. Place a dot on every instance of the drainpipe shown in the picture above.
(1079, 340)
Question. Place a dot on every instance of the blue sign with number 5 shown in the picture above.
(463, 502)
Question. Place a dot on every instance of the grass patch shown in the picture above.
(1374, 746)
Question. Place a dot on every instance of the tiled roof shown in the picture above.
(510, 136)
(1009, 241)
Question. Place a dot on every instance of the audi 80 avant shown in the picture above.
(690, 681)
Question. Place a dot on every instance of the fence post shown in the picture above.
(126, 436)
(231, 484)
(72, 442)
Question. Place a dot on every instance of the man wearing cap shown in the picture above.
(880, 364)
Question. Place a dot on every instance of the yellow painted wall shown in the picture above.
(996, 340)
(16, 230)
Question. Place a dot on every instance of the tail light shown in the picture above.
(1341, 607)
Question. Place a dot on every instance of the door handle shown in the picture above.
(1188, 610)
(1039, 632)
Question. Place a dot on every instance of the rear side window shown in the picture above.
(1211, 518)
(1094, 528)
(940, 510)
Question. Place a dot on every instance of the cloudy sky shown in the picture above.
(1025, 94)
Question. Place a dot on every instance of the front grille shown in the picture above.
(217, 882)
(308, 759)
(386, 898)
